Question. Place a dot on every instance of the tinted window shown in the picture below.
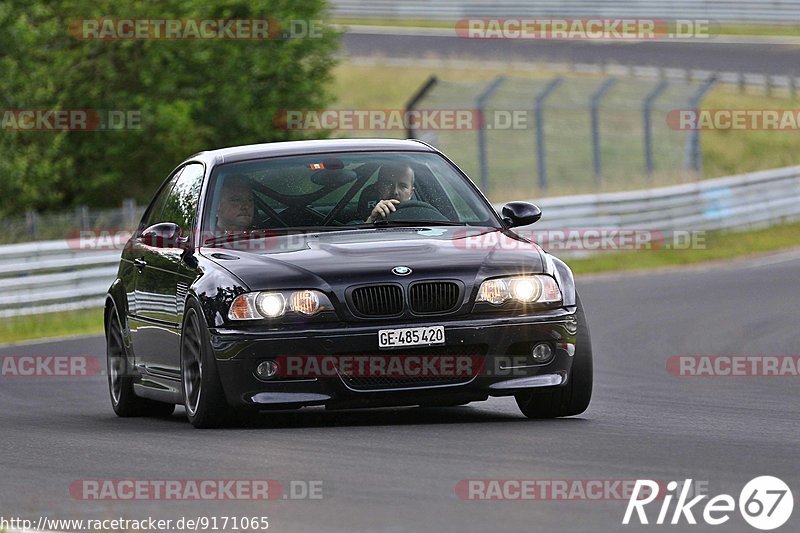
(342, 189)
(153, 213)
(181, 202)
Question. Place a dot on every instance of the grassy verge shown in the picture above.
(719, 245)
(78, 322)
(725, 28)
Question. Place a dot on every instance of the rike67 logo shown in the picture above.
(765, 503)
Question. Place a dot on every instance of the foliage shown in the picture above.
(190, 95)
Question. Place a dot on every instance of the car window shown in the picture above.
(342, 189)
(180, 204)
(156, 208)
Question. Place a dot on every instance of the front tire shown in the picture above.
(574, 397)
(203, 397)
(120, 378)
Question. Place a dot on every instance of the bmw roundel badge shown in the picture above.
(401, 270)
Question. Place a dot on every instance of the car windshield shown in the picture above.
(341, 191)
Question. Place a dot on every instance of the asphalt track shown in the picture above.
(396, 469)
(775, 56)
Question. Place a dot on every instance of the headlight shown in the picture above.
(524, 289)
(271, 304)
(260, 305)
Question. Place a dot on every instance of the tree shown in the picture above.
(188, 94)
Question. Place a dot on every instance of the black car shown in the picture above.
(343, 273)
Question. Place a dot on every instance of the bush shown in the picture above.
(190, 95)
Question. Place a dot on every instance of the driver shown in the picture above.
(236, 205)
(395, 184)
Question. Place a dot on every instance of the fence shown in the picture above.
(565, 132)
(778, 11)
(57, 275)
(35, 226)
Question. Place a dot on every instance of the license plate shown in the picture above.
(400, 338)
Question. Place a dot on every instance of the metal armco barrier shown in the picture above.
(723, 10)
(59, 275)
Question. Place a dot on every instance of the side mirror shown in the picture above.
(163, 235)
(520, 214)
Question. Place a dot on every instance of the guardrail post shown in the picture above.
(82, 217)
(480, 106)
(594, 106)
(32, 221)
(647, 107)
(692, 156)
(538, 106)
(129, 213)
(414, 100)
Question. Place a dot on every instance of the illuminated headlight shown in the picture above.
(524, 289)
(260, 305)
(271, 304)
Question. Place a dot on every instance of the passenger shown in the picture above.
(236, 205)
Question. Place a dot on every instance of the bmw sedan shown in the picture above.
(338, 273)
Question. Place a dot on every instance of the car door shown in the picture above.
(163, 285)
(138, 255)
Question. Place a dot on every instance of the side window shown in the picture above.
(153, 213)
(180, 205)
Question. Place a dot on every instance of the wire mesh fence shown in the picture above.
(567, 135)
(36, 226)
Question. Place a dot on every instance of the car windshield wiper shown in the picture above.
(414, 223)
(271, 232)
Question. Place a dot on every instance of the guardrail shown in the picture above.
(779, 11)
(58, 275)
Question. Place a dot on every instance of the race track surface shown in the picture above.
(397, 469)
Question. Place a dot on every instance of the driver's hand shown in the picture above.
(382, 210)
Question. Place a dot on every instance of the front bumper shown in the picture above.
(502, 344)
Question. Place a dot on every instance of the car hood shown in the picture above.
(349, 257)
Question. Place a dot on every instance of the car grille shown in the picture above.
(375, 382)
(433, 297)
(378, 300)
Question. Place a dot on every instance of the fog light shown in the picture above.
(266, 369)
(542, 353)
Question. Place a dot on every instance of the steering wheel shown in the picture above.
(411, 210)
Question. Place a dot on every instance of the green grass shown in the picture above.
(78, 322)
(719, 246)
(737, 151)
(726, 28)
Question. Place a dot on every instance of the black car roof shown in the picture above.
(256, 151)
